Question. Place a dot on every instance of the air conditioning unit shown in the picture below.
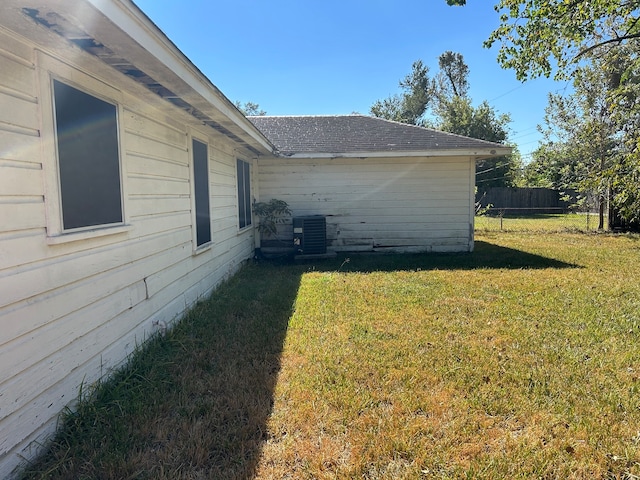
(310, 235)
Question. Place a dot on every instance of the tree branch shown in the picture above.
(606, 42)
(632, 26)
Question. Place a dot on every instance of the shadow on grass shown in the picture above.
(195, 403)
(485, 256)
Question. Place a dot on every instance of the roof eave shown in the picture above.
(122, 36)
(475, 153)
(190, 74)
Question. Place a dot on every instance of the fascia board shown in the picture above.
(488, 153)
(129, 18)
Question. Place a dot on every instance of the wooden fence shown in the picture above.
(522, 201)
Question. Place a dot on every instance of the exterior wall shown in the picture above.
(72, 307)
(379, 204)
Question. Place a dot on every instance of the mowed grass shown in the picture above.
(521, 360)
(554, 222)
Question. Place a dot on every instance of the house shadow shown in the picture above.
(191, 403)
(485, 256)
(238, 338)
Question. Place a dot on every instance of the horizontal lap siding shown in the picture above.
(21, 195)
(223, 190)
(22, 215)
(71, 312)
(376, 203)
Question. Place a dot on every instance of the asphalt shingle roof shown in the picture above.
(357, 133)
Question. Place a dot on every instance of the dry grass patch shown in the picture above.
(518, 361)
(464, 368)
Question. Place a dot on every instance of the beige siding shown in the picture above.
(379, 204)
(71, 311)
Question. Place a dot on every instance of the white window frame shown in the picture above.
(197, 249)
(50, 69)
(250, 224)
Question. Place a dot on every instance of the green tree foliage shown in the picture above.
(591, 141)
(410, 106)
(625, 183)
(567, 38)
(583, 144)
(453, 77)
(538, 36)
(457, 115)
(623, 68)
(550, 167)
(250, 108)
(443, 103)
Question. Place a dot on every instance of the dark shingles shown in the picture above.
(357, 133)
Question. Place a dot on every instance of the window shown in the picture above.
(88, 158)
(201, 192)
(244, 193)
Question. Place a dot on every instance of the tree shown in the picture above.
(550, 167)
(537, 36)
(453, 77)
(591, 140)
(411, 105)
(445, 98)
(624, 186)
(582, 135)
(250, 109)
(540, 37)
(532, 32)
(457, 115)
(624, 70)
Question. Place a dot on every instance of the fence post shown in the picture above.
(588, 218)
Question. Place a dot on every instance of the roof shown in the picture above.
(119, 34)
(360, 135)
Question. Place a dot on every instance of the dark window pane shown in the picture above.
(247, 193)
(89, 162)
(241, 198)
(201, 187)
(244, 193)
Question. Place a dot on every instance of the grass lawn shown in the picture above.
(554, 222)
(521, 360)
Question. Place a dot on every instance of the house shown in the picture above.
(126, 184)
(382, 186)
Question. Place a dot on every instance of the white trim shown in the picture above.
(132, 20)
(87, 234)
(477, 154)
(205, 247)
(198, 249)
(255, 195)
(251, 224)
(48, 70)
(472, 204)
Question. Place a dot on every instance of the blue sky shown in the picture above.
(309, 57)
